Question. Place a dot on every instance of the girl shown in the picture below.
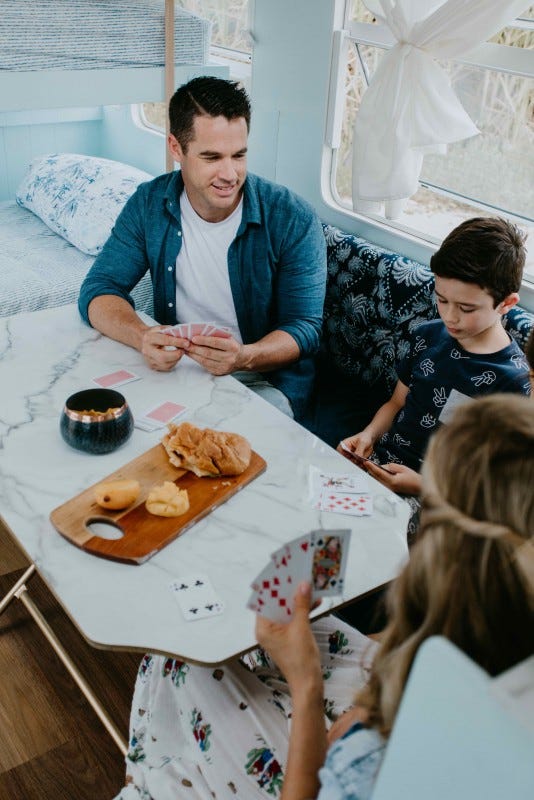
(261, 732)
(470, 578)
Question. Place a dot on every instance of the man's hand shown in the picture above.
(162, 351)
(292, 645)
(403, 480)
(218, 355)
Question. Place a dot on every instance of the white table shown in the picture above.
(44, 357)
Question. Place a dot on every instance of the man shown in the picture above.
(221, 246)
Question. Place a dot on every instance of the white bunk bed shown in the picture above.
(64, 54)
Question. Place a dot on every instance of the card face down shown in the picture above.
(117, 378)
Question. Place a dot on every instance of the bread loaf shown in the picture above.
(205, 451)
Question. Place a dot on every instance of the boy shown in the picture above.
(465, 353)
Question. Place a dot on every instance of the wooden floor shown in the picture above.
(52, 744)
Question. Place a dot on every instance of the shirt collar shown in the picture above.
(251, 203)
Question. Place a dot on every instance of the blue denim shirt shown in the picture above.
(276, 264)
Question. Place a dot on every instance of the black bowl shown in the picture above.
(96, 420)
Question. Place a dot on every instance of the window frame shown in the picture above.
(489, 55)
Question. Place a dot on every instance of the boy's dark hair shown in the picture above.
(205, 96)
(488, 251)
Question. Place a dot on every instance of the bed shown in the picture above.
(49, 237)
(39, 269)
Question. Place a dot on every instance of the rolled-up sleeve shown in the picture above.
(302, 280)
(123, 260)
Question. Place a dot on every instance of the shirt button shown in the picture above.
(171, 305)
(170, 269)
(178, 233)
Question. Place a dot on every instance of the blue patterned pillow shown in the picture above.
(78, 196)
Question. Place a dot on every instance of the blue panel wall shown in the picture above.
(73, 131)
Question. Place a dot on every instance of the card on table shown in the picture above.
(117, 378)
(342, 494)
(159, 416)
(196, 597)
(319, 557)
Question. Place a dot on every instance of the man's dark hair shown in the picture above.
(488, 251)
(205, 96)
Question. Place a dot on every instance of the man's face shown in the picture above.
(468, 311)
(214, 166)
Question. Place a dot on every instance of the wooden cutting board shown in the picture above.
(144, 533)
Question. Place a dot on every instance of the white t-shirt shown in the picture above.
(203, 292)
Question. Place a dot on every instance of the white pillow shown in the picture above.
(79, 197)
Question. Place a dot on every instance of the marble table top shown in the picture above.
(47, 355)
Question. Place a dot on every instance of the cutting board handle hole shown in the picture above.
(104, 528)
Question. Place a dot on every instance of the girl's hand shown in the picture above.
(292, 644)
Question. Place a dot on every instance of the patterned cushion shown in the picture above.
(374, 299)
(79, 197)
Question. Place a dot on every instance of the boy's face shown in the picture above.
(468, 312)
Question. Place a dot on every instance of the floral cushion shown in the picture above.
(374, 299)
(79, 197)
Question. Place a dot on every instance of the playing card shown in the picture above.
(339, 492)
(117, 378)
(329, 562)
(294, 558)
(272, 594)
(196, 597)
(180, 331)
(319, 557)
(159, 416)
(221, 332)
(362, 460)
(196, 329)
(356, 505)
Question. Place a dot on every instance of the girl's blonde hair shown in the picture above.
(470, 576)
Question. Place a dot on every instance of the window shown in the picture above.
(489, 174)
(231, 45)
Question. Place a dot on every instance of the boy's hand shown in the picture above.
(361, 443)
(292, 644)
(403, 480)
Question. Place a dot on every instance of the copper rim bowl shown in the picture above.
(96, 420)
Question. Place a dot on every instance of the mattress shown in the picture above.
(39, 269)
(96, 34)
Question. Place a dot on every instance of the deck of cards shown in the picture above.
(186, 330)
(319, 557)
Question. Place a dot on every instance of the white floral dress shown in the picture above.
(222, 732)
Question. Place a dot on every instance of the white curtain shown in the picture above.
(409, 107)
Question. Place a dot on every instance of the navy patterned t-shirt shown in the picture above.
(441, 375)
